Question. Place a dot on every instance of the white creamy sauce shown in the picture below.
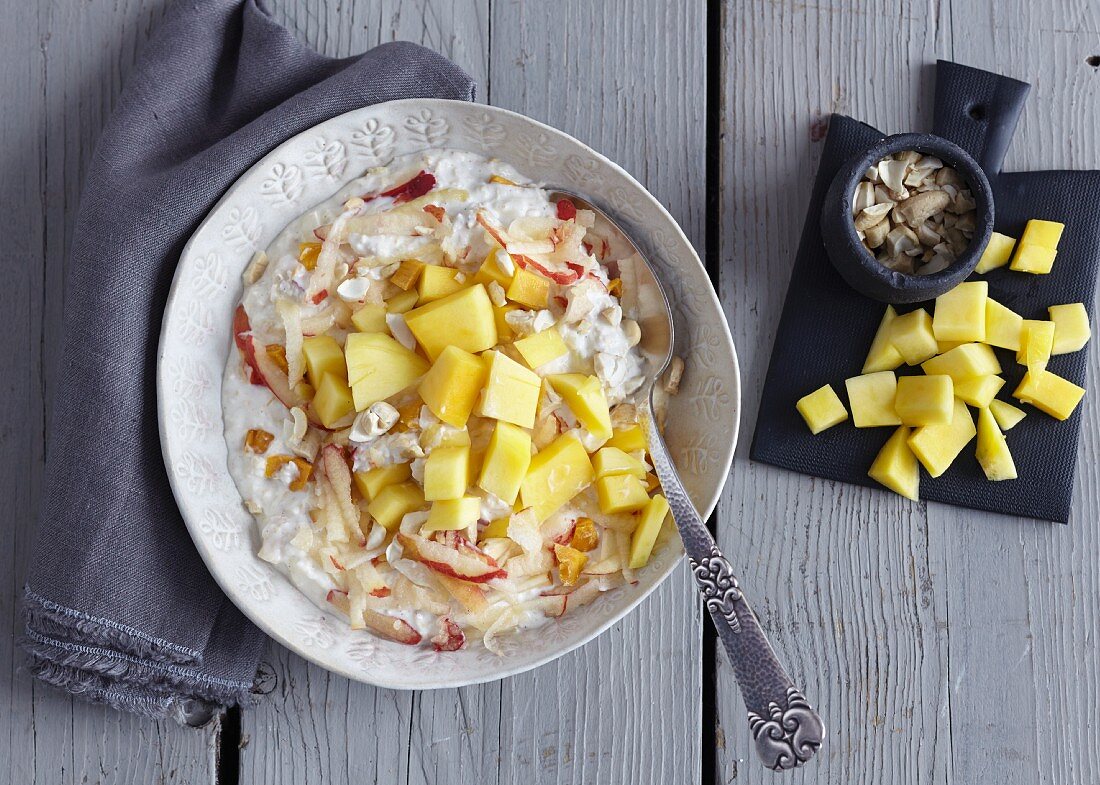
(591, 328)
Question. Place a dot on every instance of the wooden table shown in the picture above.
(942, 645)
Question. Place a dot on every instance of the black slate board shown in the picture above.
(826, 327)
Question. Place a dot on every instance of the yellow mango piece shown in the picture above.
(493, 270)
(993, 455)
(585, 397)
(964, 362)
(453, 514)
(463, 319)
(621, 493)
(924, 400)
(506, 462)
(437, 282)
(402, 302)
(872, 399)
(960, 313)
(937, 446)
(645, 534)
(1033, 259)
(1036, 342)
(371, 482)
(323, 355)
(896, 467)
(1006, 415)
(371, 318)
(451, 386)
(541, 348)
(505, 333)
(629, 439)
(882, 356)
(942, 347)
(407, 274)
(822, 409)
(979, 391)
(557, 474)
(378, 367)
(996, 254)
(1002, 326)
(497, 529)
(1049, 393)
(446, 473)
(911, 335)
(511, 392)
(394, 502)
(333, 400)
(1045, 234)
(609, 461)
(529, 289)
(1071, 327)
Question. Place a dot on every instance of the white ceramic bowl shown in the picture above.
(195, 340)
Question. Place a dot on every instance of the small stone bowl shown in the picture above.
(862, 271)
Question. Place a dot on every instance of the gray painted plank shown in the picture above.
(63, 70)
(1023, 597)
(842, 577)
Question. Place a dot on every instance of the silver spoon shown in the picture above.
(786, 729)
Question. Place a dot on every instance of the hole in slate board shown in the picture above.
(977, 112)
(1094, 61)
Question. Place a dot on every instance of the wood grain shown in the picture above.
(842, 577)
(64, 65)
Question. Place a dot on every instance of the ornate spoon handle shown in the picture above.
(785, 727)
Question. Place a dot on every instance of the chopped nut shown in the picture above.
(876, 235)
(864, 197)
(900, 239)
(893, 174)
(920, 207)
(675, 373)
(612, 315)
(871, 174)
(299, 426)
(496, 294)
(872, 215)
(253, 507)
(256, 267)
(632, 331)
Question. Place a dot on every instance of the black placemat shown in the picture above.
(826, 327)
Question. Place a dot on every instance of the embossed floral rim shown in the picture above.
(195, 341)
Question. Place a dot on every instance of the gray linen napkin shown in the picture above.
(119, 608)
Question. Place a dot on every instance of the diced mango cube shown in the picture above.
(872, 399)
(996, 254)
(451, 386)
(371, 318)
(371, 482)
(407, 274)
(937, 446)
(585, 397)
(557, 474)
(1071, 327)
(378, 367)
(960, 313)
(323, 355)
(394, 502)
(541, 348)
(493, 270)
(964, 362)
(505, 332)
(402, 302)
(611, 460)
(882, 356)
(1036, 342)
(1006, 415)
(446, 473)
(529, 289)
(1045, 234)
(506, 462)
(1049, 393)
(621, 493)
(896, 467)
(942, 347)
(924, 400)
(495, 529)
(993, 455)
(511, 391)
(979, 390)
(1002, 326)
(822, 408)
(436, 282)
(911, 335)
(463, 319)
(453, 514)
(333, 401)
(629, 439)
(1033, 259)
(645, 534)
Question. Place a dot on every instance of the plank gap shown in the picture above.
(228, 771)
